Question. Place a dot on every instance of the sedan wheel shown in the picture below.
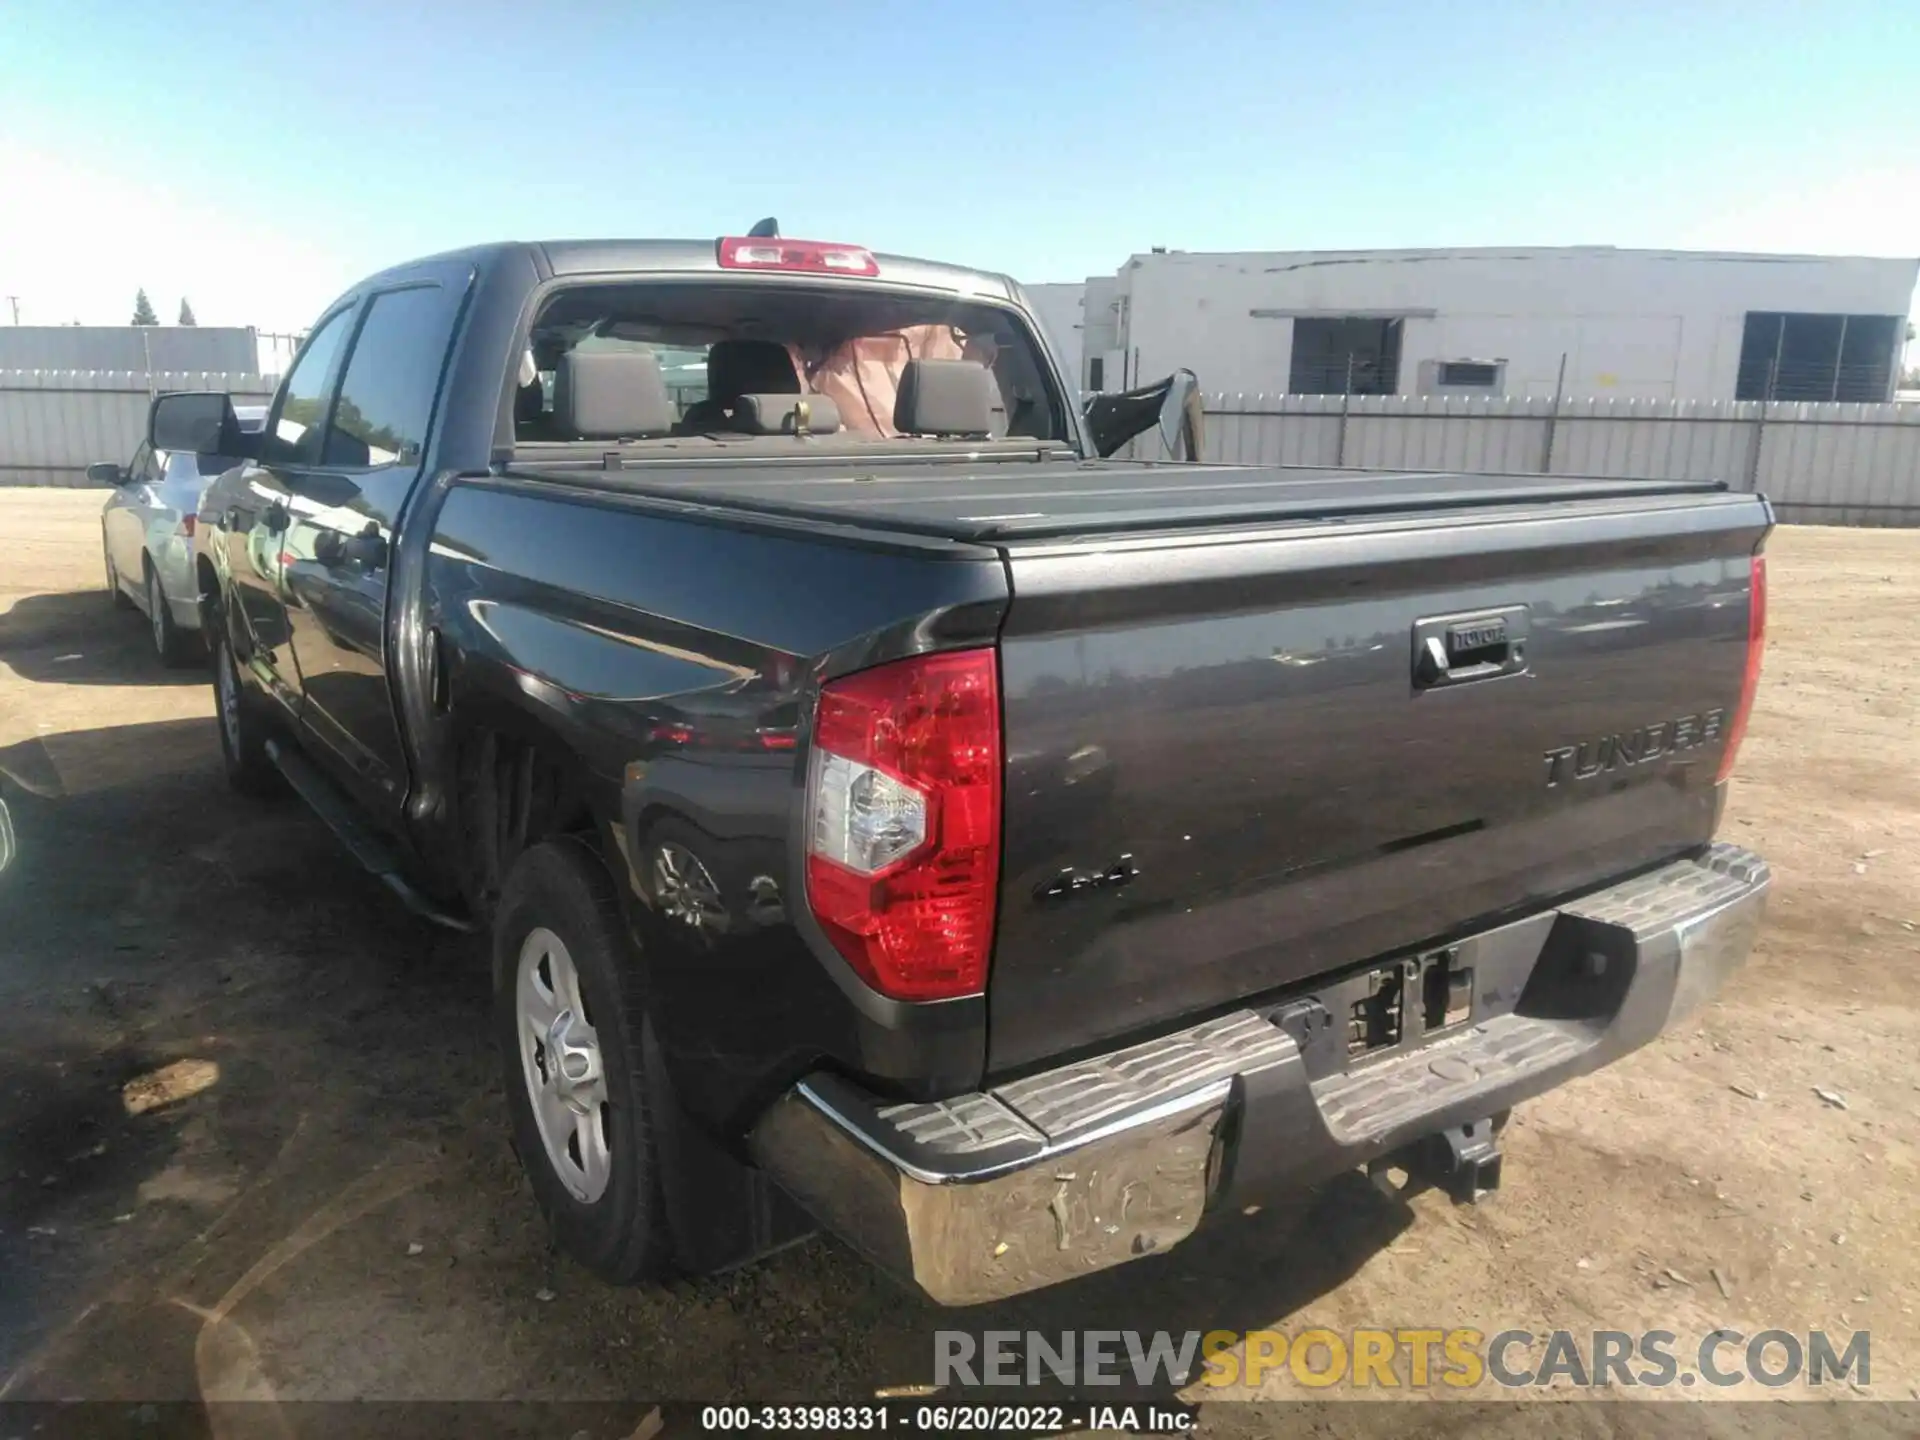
(170, 642)
(243, 726)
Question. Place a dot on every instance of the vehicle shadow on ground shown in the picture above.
(248, 938)
(84, 762)
(79, 638)
(151, 919)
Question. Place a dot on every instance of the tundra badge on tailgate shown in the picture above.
(1633, 747)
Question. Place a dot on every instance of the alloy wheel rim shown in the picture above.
(561, 1065)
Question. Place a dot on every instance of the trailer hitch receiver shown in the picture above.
(1464, 1160)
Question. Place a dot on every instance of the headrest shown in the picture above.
(749, 367)
(944, 397)
(610, 395)
(781, 414)
(529, 402)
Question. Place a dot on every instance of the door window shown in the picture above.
(293, 438)
(386, 395)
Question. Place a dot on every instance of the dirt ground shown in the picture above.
(327, 1208)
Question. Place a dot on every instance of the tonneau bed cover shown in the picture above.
(1037, 499)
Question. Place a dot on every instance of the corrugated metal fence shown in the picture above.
(1825, 464)
(54, 423)
(1819, 463)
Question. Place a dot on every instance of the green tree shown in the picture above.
(143, 310)
(186, 313)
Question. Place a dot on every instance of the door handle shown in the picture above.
(1458, 649)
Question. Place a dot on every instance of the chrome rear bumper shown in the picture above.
(1041, 1179)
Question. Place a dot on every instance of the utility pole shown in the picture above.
(14, 300)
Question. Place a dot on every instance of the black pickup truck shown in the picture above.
(888, 812)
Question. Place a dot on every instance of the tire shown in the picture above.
(121, 600)
(593, 1160)
(243, 727)
(171, 644)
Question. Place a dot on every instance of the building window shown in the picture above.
(1468, 374)
(1097, 373)
(1818, 357)
(1352, 355)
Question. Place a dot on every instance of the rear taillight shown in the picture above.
(903, 798)
(814, 256)
(1756, 643)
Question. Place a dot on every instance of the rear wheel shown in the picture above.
(243, 728)
(172, 644)
(568, 1020)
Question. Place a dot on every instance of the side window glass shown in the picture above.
(294, 436)
(386, 395)
(183, 465)
(140, 468)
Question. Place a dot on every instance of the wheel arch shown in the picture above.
(514, 785)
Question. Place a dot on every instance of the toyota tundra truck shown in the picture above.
(888, 811)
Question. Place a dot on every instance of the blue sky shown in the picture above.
(258, 157)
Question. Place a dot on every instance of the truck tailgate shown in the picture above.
(1234, 761)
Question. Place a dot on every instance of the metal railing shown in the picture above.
(1848, 464)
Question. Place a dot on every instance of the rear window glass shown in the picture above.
(715, 342)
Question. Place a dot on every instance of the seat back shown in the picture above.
(944, 397)
(610, 395)
(736, 368)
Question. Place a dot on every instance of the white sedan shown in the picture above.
(147, 536)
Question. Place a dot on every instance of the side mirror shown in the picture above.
(201, 421)
(105, 472)
(1172, 404)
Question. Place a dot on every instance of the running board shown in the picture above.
(327, 801)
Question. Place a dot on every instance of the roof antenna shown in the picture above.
(767, 229)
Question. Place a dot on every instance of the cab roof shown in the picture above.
(585, 258)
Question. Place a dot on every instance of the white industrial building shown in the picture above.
(1657, 324)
